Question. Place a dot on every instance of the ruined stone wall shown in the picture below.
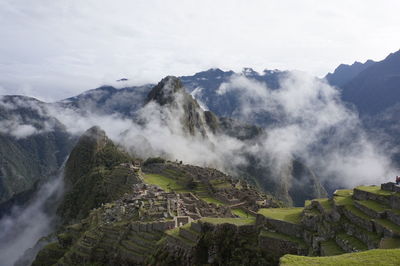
(366, 224)
(280, 247)
(152, 226)
(283, 227)
(365, 195)
(369, 211)
(394, 217)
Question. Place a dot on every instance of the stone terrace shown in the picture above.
(366, 217)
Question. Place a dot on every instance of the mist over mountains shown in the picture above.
(294, 136)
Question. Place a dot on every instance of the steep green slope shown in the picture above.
(389, 257)
(96, 172)
(33, 146)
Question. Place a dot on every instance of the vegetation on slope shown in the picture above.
(375, 257)
(292, 215)
(94, 175)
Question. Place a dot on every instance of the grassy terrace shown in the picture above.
(389, 225)
(389, 257)
(175, 234)
(291, 215)
(343, 192)
(209, 199)
(373, 205)
(220, 184)
(326, 204)
(241, 213)
(170, 184)
(166, 183)
(331, 248)
(343, 200)
(235, 221)
(283, 237)
(357, 212)
(374, 189)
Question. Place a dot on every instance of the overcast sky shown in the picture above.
(54, 49)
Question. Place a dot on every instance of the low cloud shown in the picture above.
(24, 226)
(310, 122)
(23, 117)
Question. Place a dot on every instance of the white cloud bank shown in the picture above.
(56, 49)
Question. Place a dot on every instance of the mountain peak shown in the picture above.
(248, 72)
(164, 91)
(344, 73)
(97, 134)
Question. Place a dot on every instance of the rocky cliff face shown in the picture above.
(171, 94)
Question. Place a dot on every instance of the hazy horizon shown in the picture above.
(53, 50)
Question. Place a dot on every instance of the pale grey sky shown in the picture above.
(55, 49)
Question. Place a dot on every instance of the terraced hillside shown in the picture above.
(160, 212)
(207, 184)
(361, 219)
(150, 215)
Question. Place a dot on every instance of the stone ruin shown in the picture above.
(390, 186)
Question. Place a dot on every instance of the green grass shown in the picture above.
(235, 221)
(220, 183)
(211, 200)
(343, 200)
(389, 243)
(389, 225)
(173, 232)
(326, 204)
(241, 213)
(283, 237)
(373, 205)
(376, 257)
(375, 189)
(166, 183)
(307, 203)
(291, 215)
(343, 192)
(331, 248)
(357, 212)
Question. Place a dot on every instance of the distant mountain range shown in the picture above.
(344, 73)
(185, 119)
(372, 87)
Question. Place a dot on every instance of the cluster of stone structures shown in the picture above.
(232, 192)
(126, 231)
(149, 203)
(390, 186)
